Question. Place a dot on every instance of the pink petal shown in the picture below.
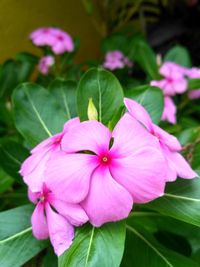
(39, 223)
(68, 176)
(180, 86)
(129, 135)
(88, 135)
(167, 139)
(177, 162)
(143, 174)
(107, 201)
(68, 126)
(138, 112)
(61, 232)
(194, 94)
(172, 70)
(169, 112)
(33, 197)
(35, 178)
(74, 213)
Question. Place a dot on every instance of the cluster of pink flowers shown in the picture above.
(58, 40)
(88, 173)
(45, 63)
(175, 82)
(116, 60)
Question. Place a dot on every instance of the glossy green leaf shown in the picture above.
(96, 247)
(179, 55)
(17, 245)
(149, 97)
(12, 155)
(105, 91)
(141, 52)
(181, 201)
(65, 93)
(193, 84)
(5, 181)
(142, 249)
(37, 115)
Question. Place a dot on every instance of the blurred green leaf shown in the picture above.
(180, 55)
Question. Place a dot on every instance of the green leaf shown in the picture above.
(142, 249)
(5, 181)
(193, 84)
(65, 93)
(105, 91)
(141, 52)
(50, 259)
(181, 201)
(179, 55)
(149, 97)
(12, 155)
(17, 245)
(96, 247)
(37, 115)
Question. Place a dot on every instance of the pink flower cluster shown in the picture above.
(88, 173)
(45, 63)
(116, 60)
(58, 40)
(175, 82)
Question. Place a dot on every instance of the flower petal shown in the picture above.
(179, 164)
(88, 135)
(68, 175)
(74, 213)
(61, 232)
(142, 174)
(39, 223)
(107, 201)
(129, 135)
(33, 197)
(167, 139)
(68, 126)
(138, 112)
(169, 112)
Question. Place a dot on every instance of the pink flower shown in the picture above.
(116, 60)
(55, 219)
(193, 73)
(42, 36)
(169, 145)
(44, 64)
(62, 42)
(107, 172)
(169, 112)
(34, 166)
(59, 41)
(174, 81)
(194, 94)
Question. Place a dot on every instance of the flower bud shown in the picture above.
(92, 111)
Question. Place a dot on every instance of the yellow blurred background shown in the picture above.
(20, 17)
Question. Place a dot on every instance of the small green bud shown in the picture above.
(92, 111)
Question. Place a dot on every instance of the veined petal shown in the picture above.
(138, 112)
(61, 232)
(88, 135)
(142, 174)
(167, 139)
(129, 135)
(39, 223)
(180, 165)
(68, 175)
(107, 200)
(74, 213)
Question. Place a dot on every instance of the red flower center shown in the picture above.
(105, 159)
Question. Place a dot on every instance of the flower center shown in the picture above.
(170, 80)
(42, 198)
(105, 159)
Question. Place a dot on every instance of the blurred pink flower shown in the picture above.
(194, 94)
(169, 112)
(169, 145)
(55, 219)
(193, 73)
(174, 81)
(116, 169)
(59, 41)
(34, 166)
(45, 63)
(116, 60)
